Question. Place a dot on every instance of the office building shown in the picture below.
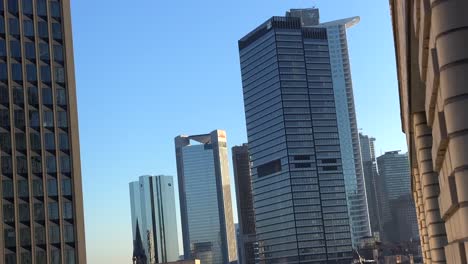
(154, 223)
(205, 198)
(346, 117)
(432, 69)
(42, 203)
(301, 209)
(395, 198)
(245, 209)
(369, 164)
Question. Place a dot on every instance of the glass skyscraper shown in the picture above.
(205, 198)
(299, 190)
(42, 204)
(154, 223)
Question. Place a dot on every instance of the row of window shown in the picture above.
(37, 188)
(30, 50)
(28, 28)
(31, 73)
(41, 258)
(27, 7)
(35, 141)
(33, 96)
(34, 121)
(36, 165)
(38, 211)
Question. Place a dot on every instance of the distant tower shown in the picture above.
(205, 198)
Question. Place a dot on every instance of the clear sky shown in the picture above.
(149, 70)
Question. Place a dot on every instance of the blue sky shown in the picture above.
(151, 70)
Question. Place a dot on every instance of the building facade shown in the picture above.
(371, 177)
(346, 117)
(432, 69)
(300, 202)
(205, 198)
(245, 209)
(395, 200)
(154, 223)
(42, 203)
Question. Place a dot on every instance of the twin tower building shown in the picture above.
(299, 181)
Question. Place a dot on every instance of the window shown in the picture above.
(30, 50)
(27, 7)
(302, 165)
(38, 189)
(69, 233)
(7, 189)
(52, 187)
(25, 240)
(36, 164)
(22, 165)
(39, 212)
(67, 210)
(62, 119)
(14, 26)
(65, 164)
(53, 211)
(58, 53)
(66, 186)
(5, 142)
(28, 28)
(13, 6)
(41, 8)
(55, 9)
(55, 256)
(51, 164)
(31, 72)
(39, 232)
(8, 213)
(269, 168)
(61, 96)
(19, 119)
(49, 139)
(2, 24)
(33, 97)
(4, 118)
(18, 95)
(3, 72)
(7, 167)
(59, 74)
(47, 96)
(20, 141)
(63, 141)
(44, 52)
(24, 212)
(34, 118)
(45, 73)
(48, 118)
(42, 29)
(15, 49)
(10, 241)
(16, 72)
(4, 95)
(23, 188)
(57, 31)
(41, 257)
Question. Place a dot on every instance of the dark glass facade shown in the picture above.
(298, 184)
(40, 170)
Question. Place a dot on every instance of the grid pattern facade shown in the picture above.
(298, 185)
(42, 210)
(245, 208)
(153, 211)
(205, 198)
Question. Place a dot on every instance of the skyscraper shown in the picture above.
(154, 223)
(371, 175)
(432, 69)
(245, 209)
(395, 198)
(205, 198)
(42, 203)
(301, 209)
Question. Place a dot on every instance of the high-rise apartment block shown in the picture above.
(395, 202)
(245, 208)
(301, 209)
(154, 223)
(42, 204)
(371, 177)
(205, 198)
(432, 65)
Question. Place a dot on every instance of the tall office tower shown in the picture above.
(245, 209)
(42, 203)
(432, 69)
(395, 197)
(346, 117)
(369, 164)
(205, 198)
(301, 210)
(154, 223)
